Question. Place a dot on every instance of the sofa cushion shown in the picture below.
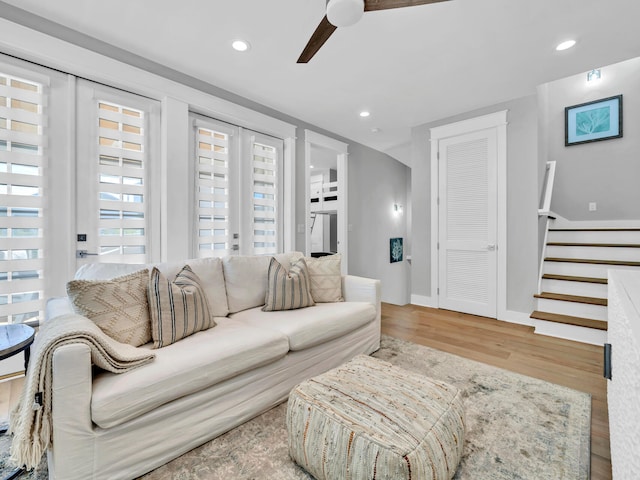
(246, 278)
(312, 326)
(118, 306)
(326, 278)
(287, 290)
(177, 308)
(196, 362)
(209, 270)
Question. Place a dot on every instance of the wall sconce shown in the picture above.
(594, 75)
(397, 209)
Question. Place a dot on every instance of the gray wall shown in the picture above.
(605, 172)
(522, 202)
(376, 183)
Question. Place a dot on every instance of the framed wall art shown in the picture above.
(395, 250)
(593, 121)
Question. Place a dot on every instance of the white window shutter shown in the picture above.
(23, 161)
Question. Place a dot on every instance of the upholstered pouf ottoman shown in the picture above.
(368, 419)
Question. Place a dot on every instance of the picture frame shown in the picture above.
(396, 250)
(593, 121)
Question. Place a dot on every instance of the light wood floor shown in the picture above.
(506, 345)
(516, 348)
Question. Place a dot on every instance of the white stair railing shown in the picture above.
(545, 211)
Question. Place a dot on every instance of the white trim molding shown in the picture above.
(341, 151)
(423, 301)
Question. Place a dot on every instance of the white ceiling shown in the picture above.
(407, 66)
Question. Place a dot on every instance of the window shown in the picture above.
(114, 173)
(22, 198)
(238, 190)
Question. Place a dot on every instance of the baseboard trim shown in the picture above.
(512, 316)
(423, 301)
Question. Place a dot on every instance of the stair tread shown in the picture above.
(581, 244)
(596, 262)
(594, 229)
(572, 298)
(572, 278)
(570, 320)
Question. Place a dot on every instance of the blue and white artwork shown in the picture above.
(395, 250)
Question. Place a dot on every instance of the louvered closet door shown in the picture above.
(116, 174)
(467, 223)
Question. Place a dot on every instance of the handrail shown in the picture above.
(545, 211)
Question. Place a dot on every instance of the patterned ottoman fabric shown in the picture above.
(370, 420)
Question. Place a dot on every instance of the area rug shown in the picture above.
(518, 428)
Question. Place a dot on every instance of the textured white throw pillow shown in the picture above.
(178, 308)
(326, 278)
(118, 306)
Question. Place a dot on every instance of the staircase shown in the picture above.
(572, 302)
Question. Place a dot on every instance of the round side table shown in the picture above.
(16, 338)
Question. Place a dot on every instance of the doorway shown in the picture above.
(326, 197)
(469, 215)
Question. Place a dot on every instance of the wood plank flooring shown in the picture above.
(515, 348)
(506, 345)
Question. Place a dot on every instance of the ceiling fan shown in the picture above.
(342, 13)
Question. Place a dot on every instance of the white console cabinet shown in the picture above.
(623, 390)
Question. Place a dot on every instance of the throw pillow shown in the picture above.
(118, 306)
(326, 278)
(287, 290)
(178, 308)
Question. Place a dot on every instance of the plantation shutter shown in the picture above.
(213, 190)
(23, 162)
(265, 194)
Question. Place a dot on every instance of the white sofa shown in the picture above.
(113, 426)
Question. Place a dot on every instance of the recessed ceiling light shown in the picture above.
(375, 130)
(241, 45)
(566, 45)
(364, 113)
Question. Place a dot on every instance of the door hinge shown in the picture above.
(438, 246)
(438, 290)
(438, 201)
(438, 154)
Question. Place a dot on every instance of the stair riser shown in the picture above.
(583, 269)
(570, 332)
(595, 312)
(594, 253)
(594, 237)
(597, 290)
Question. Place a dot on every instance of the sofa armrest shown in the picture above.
(361, 289)
(73, 435)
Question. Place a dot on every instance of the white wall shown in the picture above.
(605, 172)
(522, 203)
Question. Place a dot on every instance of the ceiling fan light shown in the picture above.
(343, 13)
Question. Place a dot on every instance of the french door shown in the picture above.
(237, 189)
(117, 167)
(467, 213)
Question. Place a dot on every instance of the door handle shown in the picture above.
(83, 254)
(491, 247)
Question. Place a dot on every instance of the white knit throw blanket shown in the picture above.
(30, 422)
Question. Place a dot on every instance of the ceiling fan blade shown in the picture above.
(373, 5)
(321, 35)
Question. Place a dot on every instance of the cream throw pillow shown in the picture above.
(287, 290)
(326, 278)
(178, 308)
(118, 306)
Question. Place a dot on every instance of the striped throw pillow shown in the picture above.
(177, 308)
(287, 290)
